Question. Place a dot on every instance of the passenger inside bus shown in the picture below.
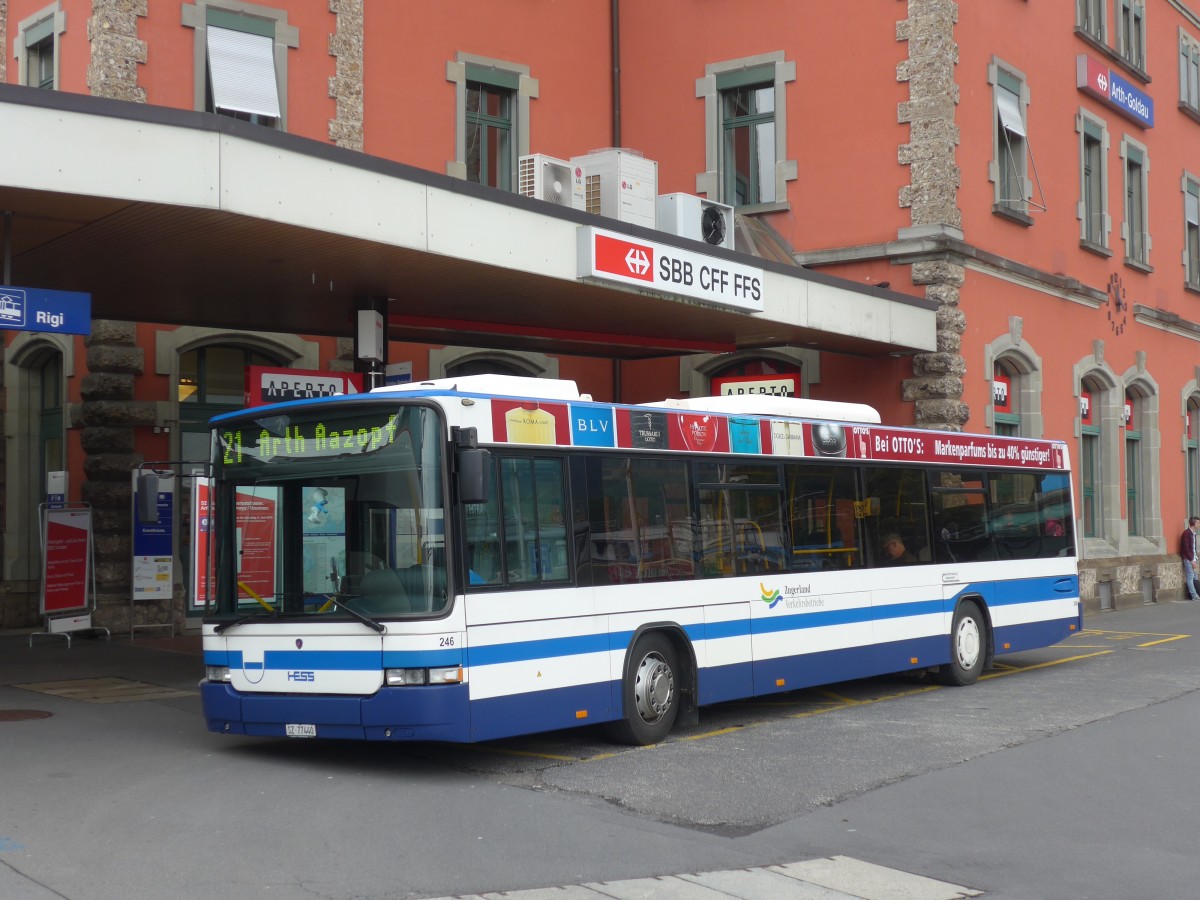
(895, 553)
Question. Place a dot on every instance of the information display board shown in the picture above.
(67, 561)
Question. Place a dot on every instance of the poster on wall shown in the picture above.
(153, 562)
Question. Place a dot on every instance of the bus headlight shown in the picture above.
(402, 677)
(451, 675)
(217, 673)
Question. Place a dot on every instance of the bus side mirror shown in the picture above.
(474, 470)
(147, 498)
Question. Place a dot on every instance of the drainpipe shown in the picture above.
(616, 71)
(615, 41)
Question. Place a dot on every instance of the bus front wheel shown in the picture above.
(968, 646)
(651, 693)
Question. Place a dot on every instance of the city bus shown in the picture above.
(488, 556)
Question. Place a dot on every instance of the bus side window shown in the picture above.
(534, 506)
(902, 510)
(820, 518)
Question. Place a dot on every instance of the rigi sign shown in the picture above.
(615, 257)
(34, 309)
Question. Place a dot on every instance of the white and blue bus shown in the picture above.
(488, 556)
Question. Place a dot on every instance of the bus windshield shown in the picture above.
(334, 510)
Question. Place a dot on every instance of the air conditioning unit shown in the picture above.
(545, 178)
(619, 183)
(694, 217)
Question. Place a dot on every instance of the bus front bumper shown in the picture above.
(417, 713)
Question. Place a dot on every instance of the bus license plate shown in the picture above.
(301, 730)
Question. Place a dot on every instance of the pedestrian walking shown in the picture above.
(1187, 552)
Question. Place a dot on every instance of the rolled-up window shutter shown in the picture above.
(242, 69)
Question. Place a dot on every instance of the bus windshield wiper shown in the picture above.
(225, 626)
(362, 617)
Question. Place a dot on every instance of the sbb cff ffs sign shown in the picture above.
(267, 384)
(613, 257)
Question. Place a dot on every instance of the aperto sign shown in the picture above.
(34, 309)
(608, 256)
(1103, 83)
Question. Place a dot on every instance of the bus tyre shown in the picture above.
(968, 646)
(651, 693)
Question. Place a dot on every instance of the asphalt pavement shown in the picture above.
(110, 787)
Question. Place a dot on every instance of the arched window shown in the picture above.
(1091, 461)
(758, 376)
(36, 367)
(49, 385)
(452, 361)
(484, 367)
(212, 380)
(1006, 399)
(1131, 418)
(1192, 456)
(1014, 371)
(1142, 438)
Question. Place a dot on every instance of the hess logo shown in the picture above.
(301, 676)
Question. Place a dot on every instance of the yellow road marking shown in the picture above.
(1044, 665)
(1166, 640)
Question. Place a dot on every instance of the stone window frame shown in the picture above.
(1106, 410)
(23, 356)
(1085, 12)
(287, 37)
(1136, 10)
(1189, 187)
(535, 365)
(1002, 76)
(1135, 154)
(1189, 74)
(1089, 125)
(1137, 381)
(1189, 407)
(56, 17)
(710, 182)
(527, 89)
(696, 370)
(1016, 353)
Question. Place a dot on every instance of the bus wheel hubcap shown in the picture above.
(654, 688)
(968, 643)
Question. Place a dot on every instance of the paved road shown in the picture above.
(1069, 773)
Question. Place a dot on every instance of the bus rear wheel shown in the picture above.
(650, 693)
(968, 646)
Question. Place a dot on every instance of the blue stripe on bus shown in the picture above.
(520, 651)
(1002, 593)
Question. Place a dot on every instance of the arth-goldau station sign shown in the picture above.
(608, 256)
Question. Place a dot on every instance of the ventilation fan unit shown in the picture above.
(694, 217)
(619, 183)
(545, 178)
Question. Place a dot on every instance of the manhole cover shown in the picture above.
(20, 715)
